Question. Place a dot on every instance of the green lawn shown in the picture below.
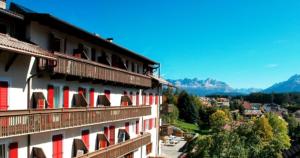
(188, 127)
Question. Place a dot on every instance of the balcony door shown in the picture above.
(57, 151)
(3, 95)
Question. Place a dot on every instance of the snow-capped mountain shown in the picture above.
(208, 86)
(290, 85)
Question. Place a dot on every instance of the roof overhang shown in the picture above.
(10, 44)
(162, 81)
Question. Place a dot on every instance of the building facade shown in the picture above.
(65, 92)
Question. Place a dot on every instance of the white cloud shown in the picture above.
(272, 65)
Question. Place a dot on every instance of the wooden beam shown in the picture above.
(57, 76)
(10, 61)
(72, 78)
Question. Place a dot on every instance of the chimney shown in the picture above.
(3, 4)
(110, 39)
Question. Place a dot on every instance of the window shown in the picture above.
(56, 45)
(54, 97)
(2, 151)
(3, 95)
(57, 98)
(137, 68)
(93, 54)
(156, 99)
(132, 67)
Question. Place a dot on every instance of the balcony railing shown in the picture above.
(82, 68)
(121, 149)
(20, 122)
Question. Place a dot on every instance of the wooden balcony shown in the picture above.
(121, 149)
(20, 122)
(71, 66)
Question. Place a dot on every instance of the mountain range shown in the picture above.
(211, 86)
(290, 85)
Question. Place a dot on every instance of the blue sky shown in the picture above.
(246, 43)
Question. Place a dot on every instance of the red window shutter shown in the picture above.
(145, 121)
(85, 138)
(150, 123)
(137, 124)
(112, 135)
(3, 95)
(107, 94)
(127, 127)
(57, 146)
(144, 99)
(156, 99)
(92, 92)
(66, 97)
(13, 150)
(150, 98)
(137, 97)
(51, 96)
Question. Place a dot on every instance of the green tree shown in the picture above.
(218, 120)
(187, 110)
(281, 140)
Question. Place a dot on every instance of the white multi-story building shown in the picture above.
(65, 92)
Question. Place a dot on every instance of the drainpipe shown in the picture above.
(28, 83)
(158, 111)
